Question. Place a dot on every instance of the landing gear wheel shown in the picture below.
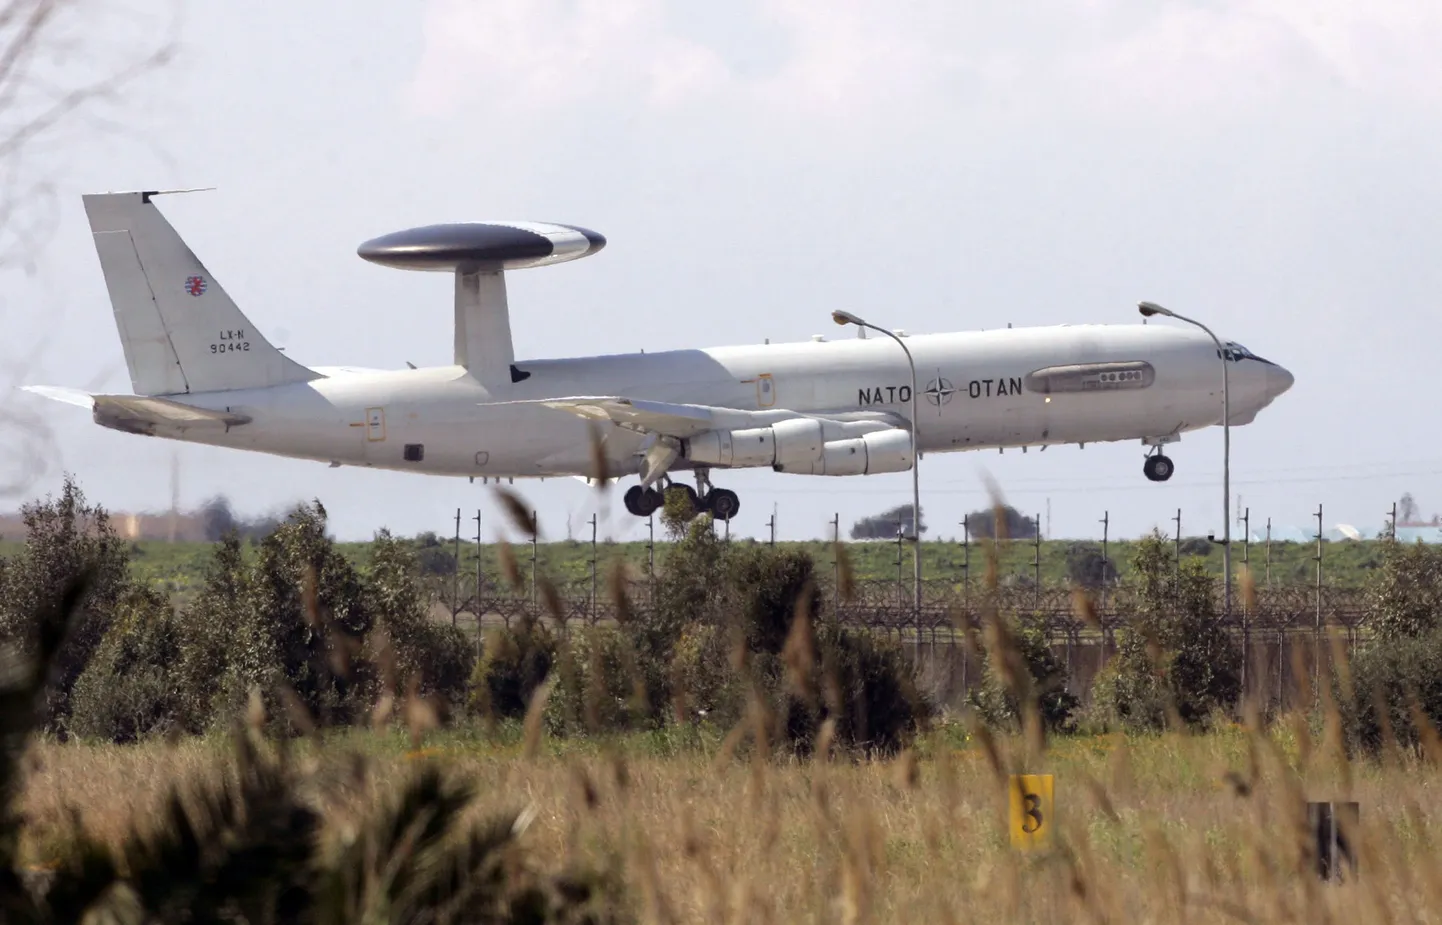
(722, 503)
(693, 501)
(642, 502)
(1158, 468)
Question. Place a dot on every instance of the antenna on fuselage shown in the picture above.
(479, 254)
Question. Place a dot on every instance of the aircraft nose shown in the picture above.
(1279, 380)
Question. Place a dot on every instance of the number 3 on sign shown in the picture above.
(1031, 810)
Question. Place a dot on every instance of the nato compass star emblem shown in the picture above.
(939, 391)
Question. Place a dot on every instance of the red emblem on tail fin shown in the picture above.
(195, 285)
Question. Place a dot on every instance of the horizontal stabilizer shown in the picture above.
(142, 414)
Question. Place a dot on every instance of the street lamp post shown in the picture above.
(843, 318)
(1151, 308)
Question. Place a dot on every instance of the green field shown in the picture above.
(179, 567)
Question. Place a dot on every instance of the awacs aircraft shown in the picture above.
(202, 372)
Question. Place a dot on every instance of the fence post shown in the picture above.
(651, 559)
(966, 565)
(1036, 565)
(900, 584)
(1269, 553)
(1178, 520)
(480, 609)
(1246, 615)
(593, 569)
(456, 572)
(1317, 623)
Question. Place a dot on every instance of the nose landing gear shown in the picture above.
(1158, 468)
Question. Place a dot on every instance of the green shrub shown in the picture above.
(431, 658)
(302, 625)
(1395, 672)
(124, 693)
(512, 665)
(868, 686)
(1174, 656)
(764, 587)
(705, 685)
(65, 537)
(598, 685)
(206, 629)
(319, 639)
(1404, 595)
(998, 703)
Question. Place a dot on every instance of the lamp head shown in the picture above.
(844, 318)
(1151, 308)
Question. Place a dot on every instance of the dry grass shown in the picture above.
(1174, 828)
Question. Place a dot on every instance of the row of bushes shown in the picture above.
(729, 637)
(1176, 666)
(732, 636)
(320, 638)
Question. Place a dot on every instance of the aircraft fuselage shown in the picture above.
(977, 390)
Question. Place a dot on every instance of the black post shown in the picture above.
(1178, 519)
(593, 569)
(966, 561)
(1246, 614)
(1036, 566)
(1334, 830)
(651, 558)
(1317, 621)
(480, 609)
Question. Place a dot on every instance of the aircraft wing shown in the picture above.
(644, 416)
(684, 421)
(139, 413)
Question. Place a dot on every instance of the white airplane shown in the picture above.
(201, 372)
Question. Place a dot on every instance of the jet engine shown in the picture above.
(806, 446)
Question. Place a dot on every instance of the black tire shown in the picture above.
(652, 502)
(1158, 468)
(722, 503)
(635, 501)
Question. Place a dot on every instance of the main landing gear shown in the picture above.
(720, 503)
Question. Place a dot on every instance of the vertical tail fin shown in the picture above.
(180, 331)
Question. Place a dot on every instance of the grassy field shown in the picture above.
(1193, 829)
(179, 567)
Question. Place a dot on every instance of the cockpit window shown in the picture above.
(1235, 352)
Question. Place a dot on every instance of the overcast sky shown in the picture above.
(1267, 166)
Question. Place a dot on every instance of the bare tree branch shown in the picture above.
(52, 74)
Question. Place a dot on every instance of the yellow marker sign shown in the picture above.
(1032, 810)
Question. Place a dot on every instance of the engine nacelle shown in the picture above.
(791, 445)
(869, 454)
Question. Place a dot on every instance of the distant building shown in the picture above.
(1427, 533)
